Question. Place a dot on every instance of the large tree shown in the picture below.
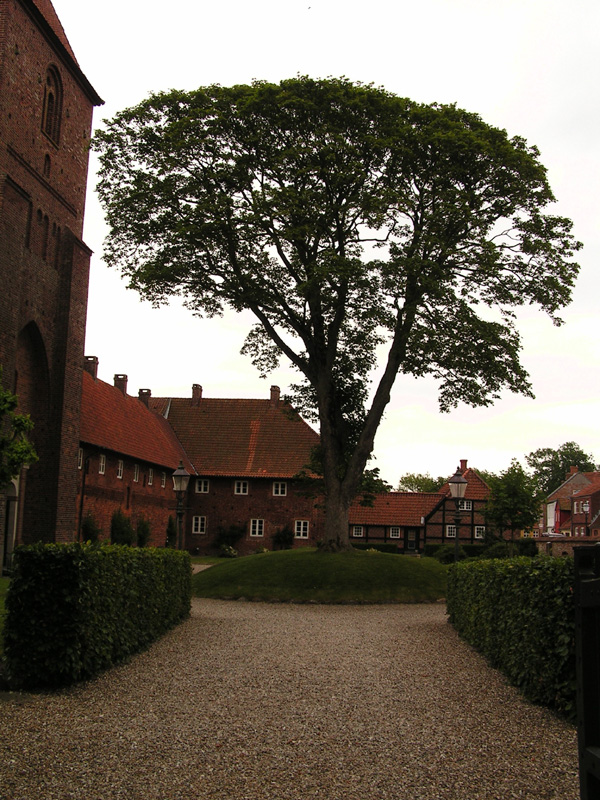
(420, 482)
(346, 219)
(551, 467)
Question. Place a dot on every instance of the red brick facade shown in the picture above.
(46, 106)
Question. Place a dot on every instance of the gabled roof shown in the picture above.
(477, 488)
(241, 438)
(590, 488)
(395, 508)
(574, 482)
(47, 10)
(115, 421)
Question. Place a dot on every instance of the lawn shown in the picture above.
(308, 575)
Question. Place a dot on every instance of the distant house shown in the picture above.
(127, 456)
(558, 506)
(411, 520)
(246, 455)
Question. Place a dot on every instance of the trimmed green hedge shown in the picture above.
(519, 613)
(74, 610)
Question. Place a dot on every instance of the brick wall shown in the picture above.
(222, 507)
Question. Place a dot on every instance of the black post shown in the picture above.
(587, 644)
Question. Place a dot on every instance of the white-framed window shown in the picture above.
(136, 473)
(257, 527)
(358, 531)
(202, 485)
(102, 464)
(163, 480)
(80, 458)
(480, 531)
(241, 487)
(451, 531)
(199, 525)
(465, 505)
(395, 532)
(279, 488)
(120, 469)
(150, 476)
(301, 527)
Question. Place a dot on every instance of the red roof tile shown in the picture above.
(121, 423)
(591, 488)
(477, 488)
(395, 508)
(576, 482)
(47, 10)
(243, 438)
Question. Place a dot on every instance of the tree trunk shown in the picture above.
(337, 534)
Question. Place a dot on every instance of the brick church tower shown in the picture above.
(46, 106)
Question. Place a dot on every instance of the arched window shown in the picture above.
(53, 98)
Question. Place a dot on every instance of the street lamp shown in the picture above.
(458, 486)
(181, 478)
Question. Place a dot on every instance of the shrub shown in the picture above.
(497, 550)
(283, 539)
(90, 530)
(227, 551)
(229, 536)
(519, 613)
(121, 529)
(74, 610)
(446, 554)
(381, 548)
(142, 532)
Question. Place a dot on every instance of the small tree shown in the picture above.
(121, 529)
(90, 530)
(16, 451)
(142, 532)
(514, 502)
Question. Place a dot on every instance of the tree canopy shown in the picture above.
(347, 219)
(551, 467)
(420, 482)
(515, 501)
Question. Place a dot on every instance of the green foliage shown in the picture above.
(551, 467)
(16, 451)
(229, 537)
(379, 548)
(420, 482)
(271, 198)
(121, 529)
(519, 613)
(445, 554)
(142, 532)
(227, 551)
(283, 539)
(514, 502)
(90, 530)
(74, 610)
(307, 575)
(497, 550)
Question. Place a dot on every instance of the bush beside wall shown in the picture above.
(519, 614)
(74, 610)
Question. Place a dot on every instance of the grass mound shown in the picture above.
(310, 576)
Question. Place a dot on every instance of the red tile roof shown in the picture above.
(591, 488)
(395, 508)
(121, 423)
(477, 488)
(46, 8)
(573, 483)
(242, 438)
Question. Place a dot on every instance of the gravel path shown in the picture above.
(249, 701)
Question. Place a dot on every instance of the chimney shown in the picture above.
(90, 364)
(274, 395)
(144, 395)
(196, 394)
(463, 465)
(121, 383)
(572, 471)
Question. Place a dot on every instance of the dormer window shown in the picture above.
(53, 100)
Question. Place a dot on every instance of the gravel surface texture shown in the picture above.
(252, 700)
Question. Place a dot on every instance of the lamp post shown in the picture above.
(181, 478)
(458, 486)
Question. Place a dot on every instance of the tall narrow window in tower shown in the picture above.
(53, 99)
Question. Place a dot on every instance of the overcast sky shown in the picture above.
(531, 67)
